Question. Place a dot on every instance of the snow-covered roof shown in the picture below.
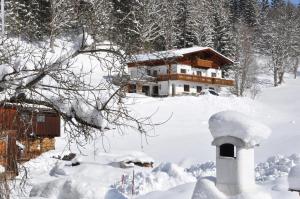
(134, 157)
(172, 53)
(294, 178)
(238, 125)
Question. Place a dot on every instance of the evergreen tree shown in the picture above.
(203, 23)
(124, 23)
(15, 12)
(222, 29)
(234, 11)
(249, 11)
(168, 25)
(185, 36)
(264, 5)
(277, 3)
(28, 18)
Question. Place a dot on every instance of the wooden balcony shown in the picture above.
(196, 78)
(204, 63)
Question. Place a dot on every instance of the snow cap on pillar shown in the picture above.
(237, 125)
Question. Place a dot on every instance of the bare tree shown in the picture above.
(296, 66)
(280, 40)
(245, 69)
(74, 80)
(62, 13)
(37, 76)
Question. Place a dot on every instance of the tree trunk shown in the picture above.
(280, 77)
(236, 86)
(52, 39)
(296, 68)
(275, 76)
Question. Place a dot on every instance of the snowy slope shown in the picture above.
(187, 134)
(285, 122)
(183, 140)
(185, 137)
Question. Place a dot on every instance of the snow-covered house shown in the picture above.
(178, 72)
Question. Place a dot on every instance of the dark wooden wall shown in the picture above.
(29, 123)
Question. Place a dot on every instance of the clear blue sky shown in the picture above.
(295, 1)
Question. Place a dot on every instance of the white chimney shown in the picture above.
(235, 136)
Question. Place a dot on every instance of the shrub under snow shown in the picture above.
(163, 177)
(202, 170)
(275, 167)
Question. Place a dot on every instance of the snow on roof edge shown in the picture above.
(172, 53)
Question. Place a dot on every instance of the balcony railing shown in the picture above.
(203, 63)
(196, 78)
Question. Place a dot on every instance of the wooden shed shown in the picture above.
(30, 121)
(26, 132)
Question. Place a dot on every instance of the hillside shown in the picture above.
(184, 140)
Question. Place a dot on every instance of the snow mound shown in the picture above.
(275, 167)
(235, 124)
(163, 177)
(4, 70)
(114, 194)
(206, 188)
(294, 178)
(134, 156)
(202, 170)
(57, 170)
(62, 189)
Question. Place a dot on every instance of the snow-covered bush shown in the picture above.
(275, 167)
(202, 170)
(163, 177)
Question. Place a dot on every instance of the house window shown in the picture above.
(40, 118)
(186, 88)
(199, 89)
(199, 73)
(132, 88)
(155, 73)
(148, 72)
(228, 150)
(183, 70)
(213, 74)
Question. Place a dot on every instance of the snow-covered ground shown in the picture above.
(181, 150)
